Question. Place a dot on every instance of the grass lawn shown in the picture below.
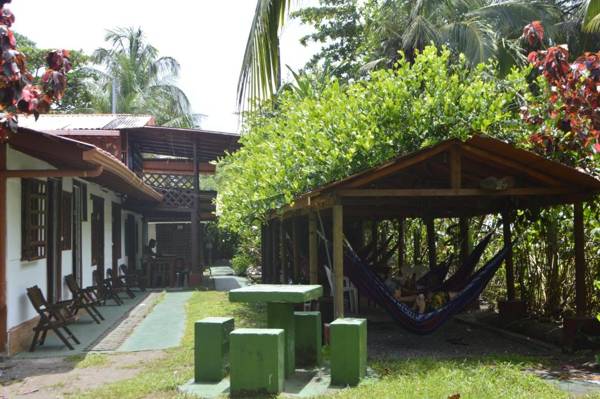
(424, 378)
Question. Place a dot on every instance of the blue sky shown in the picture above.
(207, 37)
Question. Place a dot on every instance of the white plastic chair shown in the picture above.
(349, 288)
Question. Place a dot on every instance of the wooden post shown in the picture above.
(3, 227)
(195, 215)
(338, 261)
(283, 252)
(401, 246)
(429, 222)
(276, 276)
(455, 167)
(295, 250)
(313, 248)
(375, 240)
(510, 273)
(580, 265)
(417, 244)
(465, 239)
(263, 253)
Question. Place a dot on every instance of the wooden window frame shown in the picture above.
(34, 219)
(66, 237)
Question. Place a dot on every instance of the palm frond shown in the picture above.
(591, 19)
(419, 34)
(260, 74)
(511, 16)
(474, 38)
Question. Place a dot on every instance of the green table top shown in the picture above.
(276, 293)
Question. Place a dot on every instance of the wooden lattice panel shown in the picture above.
(177, 198)
(159, 181)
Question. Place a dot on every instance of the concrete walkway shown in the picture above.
(223, 278)
(86, 331)
(163, 327)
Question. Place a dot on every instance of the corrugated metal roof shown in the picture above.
(85, 121)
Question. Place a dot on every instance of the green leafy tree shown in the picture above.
(79, 96)
(315, 136)
(145, 82)
(339, 28)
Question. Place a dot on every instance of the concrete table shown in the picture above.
(280, 300)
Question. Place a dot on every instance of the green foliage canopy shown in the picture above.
(319, 137)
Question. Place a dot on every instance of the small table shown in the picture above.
(280, 300)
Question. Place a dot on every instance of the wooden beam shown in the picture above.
(338, 261)
(176, 166)
(32, 173)
(3, 229)
(313, 270)
(401, 244)
(283, 252)
(464, 239)
(295, 250)
(510, 273)
(276, 261)
(580, 264)
(431, 239)
(444, 192)
(509, 163)
(195, 222)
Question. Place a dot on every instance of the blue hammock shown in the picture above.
(371, 284)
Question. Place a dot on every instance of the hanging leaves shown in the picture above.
(17, 93)
(567, 115)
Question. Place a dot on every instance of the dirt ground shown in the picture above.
(56, 377)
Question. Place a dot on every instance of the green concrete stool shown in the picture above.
(257, 361)
(309, 338)
(348, 351)
(211, 348)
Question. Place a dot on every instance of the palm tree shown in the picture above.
(260, 75)
(479, 29)
(591, 19)
(144, 82)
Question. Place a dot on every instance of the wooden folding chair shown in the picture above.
(84, 298)
(52, 317)
(133, 279)
(112, 278)
(104, 289)
(119, 283)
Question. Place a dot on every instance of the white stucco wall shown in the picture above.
(20, 274)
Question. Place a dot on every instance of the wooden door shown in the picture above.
(77, 219)
(98, 234)
(53, 254)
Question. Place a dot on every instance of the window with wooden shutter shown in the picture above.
(34, 219)
(67, 221)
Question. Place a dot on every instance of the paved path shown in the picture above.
(163, 328)
(88, 332)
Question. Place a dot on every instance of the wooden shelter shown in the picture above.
(451, 179)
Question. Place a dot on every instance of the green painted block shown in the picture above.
(309, 338)
(286, 293)
(257, 361)
(211, 348)
(281, 315)
(348, 351)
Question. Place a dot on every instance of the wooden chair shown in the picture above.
(104, 289)
(84, 298)
(118, 285)
(133, 279)
(52, 317)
